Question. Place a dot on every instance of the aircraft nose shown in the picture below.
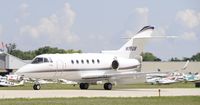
(21, 71)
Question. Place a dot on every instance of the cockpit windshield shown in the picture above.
(40, 60)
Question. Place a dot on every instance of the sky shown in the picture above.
(95, 25)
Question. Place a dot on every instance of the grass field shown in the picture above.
(186, 100)
(64, 86)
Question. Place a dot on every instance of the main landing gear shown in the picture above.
(84, 86)
(36, 86)
(108, 86)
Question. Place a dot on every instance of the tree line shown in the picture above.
(28, 55)
(147, 56)
(195, 57)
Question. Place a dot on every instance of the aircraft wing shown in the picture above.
(116, 75)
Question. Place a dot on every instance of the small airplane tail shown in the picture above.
(21, 82)
(186, 65)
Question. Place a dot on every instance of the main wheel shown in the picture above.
(84, 85)
(108, 86)
(36, 87)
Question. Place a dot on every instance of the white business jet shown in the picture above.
(88, 68)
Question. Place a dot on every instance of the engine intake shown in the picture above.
(115, 64)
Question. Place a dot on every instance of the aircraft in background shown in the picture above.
(167, 77)
(3, 78)
(191, 77)
(64, 81)
(6, 83)
(13, 77)
(87, 68)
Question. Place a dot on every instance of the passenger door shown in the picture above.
(59, 68)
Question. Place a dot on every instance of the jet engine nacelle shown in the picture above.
(115, 64)
(124, 64)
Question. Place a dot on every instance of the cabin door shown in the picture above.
(59, 69)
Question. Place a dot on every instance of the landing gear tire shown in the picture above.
(108, 86)
(84, 86)
(36, 87)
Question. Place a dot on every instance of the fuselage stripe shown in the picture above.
(71, 70)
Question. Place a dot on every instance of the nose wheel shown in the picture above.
(36, 86)
(108, 86)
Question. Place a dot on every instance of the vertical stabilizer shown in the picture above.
(134, 47)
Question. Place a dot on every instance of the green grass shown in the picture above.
(58, 86)
(185, 100)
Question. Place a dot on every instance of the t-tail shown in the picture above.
(134, 47)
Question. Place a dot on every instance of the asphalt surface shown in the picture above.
(97, 93)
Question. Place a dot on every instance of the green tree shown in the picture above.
(186, 58)
(27, 55)
(196, 57)
(48, 50)
(147, 56)
(175, 59)
(10, 47)
(73, 51)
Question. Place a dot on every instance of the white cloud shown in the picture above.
(142, 10)
(70, 14)
(23, 12)
(189, 36)
(48, 25)
(137, 20)
(129, 33)
(142, 14)
(56, 28)
(189, 18)
(159, 31)
(1, 29)
(29, 30)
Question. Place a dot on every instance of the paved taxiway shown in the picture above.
(97, 93)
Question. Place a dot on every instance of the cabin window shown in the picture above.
(72, 61)
(87, 61)
(98, 61)
(46, 60)
(50, 60)
(93, 61)
(77, 61)
(40, 60)
(82, 61)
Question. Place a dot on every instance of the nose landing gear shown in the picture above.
(37, 85)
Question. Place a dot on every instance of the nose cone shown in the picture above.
(19, 72)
